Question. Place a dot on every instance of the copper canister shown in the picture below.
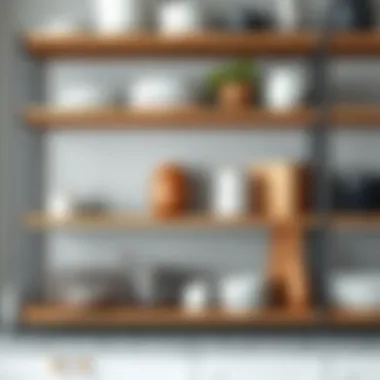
(169, 191)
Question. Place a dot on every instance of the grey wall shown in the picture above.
(117, 165)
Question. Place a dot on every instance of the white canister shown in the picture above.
(287, 14)
(241, 292)
(195, 296)
(286, 87)
(60, 205)
(230, 192)
(180, 16)
(118, 16)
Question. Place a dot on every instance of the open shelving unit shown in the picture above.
(315, 119)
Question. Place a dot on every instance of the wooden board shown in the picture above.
(205, 44)
(184, 118)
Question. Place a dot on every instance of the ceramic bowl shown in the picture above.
(355, 290)
(82, 96)
(241, 292)
(159, 92)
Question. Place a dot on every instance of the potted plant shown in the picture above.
(234, 84)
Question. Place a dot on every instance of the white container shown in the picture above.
(230, 192)
(286, 87)
(61, 205)
(178, 17)
(160, 92)
(286, 14)
(359, 291)
(80, 96)
(118, 16)
(241, 292)
(196, 296)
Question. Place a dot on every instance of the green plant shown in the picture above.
(242, 72)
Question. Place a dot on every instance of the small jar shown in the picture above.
(169, 191)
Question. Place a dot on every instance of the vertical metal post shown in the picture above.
(26, 185)
(321, 237)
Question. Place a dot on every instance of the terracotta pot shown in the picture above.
(169, 191)
(235, 95)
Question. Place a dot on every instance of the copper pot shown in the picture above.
(235, 95)
(169, 191)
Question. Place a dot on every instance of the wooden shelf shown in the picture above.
(113, 317)
(205, 44)
(352, 318)
(197, 118)
(356, 220)
(356, 43)
(194, 117)
(114, 221)
(356, 116)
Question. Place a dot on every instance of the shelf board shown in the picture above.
(356, 116)
(113, 317)
(120, 221)
(205, 44)
(197, 118)
(352, 318)
(356, 43)
(193, 117)
(356, 220)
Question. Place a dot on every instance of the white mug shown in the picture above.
(285, 87)
(230, 192)
(241, 292)
(196, 296)
(60, 205)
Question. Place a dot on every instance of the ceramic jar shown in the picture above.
(285, 87)
(118, 16)
(241, 292)
(287, 14)
(169, 191)
(230, 192)
(180, 16)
